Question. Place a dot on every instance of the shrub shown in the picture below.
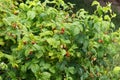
(46, 41)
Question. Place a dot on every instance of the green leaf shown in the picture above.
(76, 30)
(112, 25)
(81, 13)
(34, 67)
(27, 51)
(10, 57)
(39, 54)
(1, 23)
(100, 54)
(107, 17)
(46, 33)
(53, 42)
(6, 21)
(52, 69)
(46, 66)
(37, 47)
(24, 67)
(85, 45)
(20, 45)
(63, 52)
(1, 54)
(43, 16)
(23, 6)
(113, 15)
(97, 26)
(46, 75)
(1, 78)
(3, 66)
(95, 3)
(59, 77)
(105, 9)
(12, 75)
(31, 14)
(9, 20)
(71, 70)
(1, 42)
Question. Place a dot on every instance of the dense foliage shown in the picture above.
(47, 41)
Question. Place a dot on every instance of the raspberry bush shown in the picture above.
(47, 41)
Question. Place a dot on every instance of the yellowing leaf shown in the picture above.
(116, 70)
